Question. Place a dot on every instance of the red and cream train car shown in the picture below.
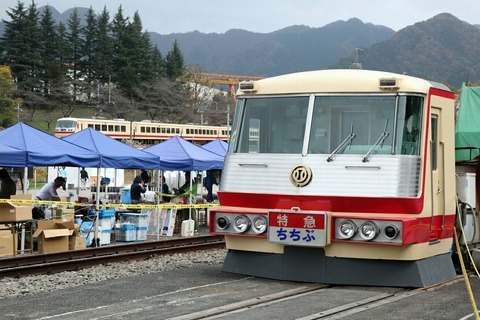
(145, 132)
(340, 177)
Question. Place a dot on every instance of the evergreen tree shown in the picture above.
(48, 51)
(88, 54)
(62, 44)
(174, 62)
(158, 64)
(20, 42)
(103, 48)
(74, 37)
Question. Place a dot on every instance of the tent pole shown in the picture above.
(97, 208)
(159, 199)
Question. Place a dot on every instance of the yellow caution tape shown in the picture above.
(110, 205)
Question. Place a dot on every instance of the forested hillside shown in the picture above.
(295, 48)
(443, 49)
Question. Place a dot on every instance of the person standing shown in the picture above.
(136, 190)
(84, 178)
(145, 178)
(209, 181)
(8, 185)
(63, 173)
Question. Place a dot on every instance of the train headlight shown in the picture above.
(241, 223)
(259, 224)
(223, 222)
(368, 230)
(347, 229)
(391, 232)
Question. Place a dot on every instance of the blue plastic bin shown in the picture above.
(125, 196)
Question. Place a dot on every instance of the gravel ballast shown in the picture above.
(12, 287)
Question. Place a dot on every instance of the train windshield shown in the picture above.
(270, 125)
(65, 124)
(346, 124)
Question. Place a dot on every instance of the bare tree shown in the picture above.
(163, 100)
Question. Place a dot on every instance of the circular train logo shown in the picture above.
(300, 176)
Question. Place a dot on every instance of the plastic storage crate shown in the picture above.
(138, 219)
(141, 233)
(106, 219)
(128, 232)
(105, 237)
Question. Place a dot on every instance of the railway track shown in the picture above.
(340, 311)
(77, 259)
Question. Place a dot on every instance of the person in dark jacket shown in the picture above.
(8, 185)
(209, 181)
(136, 190)
(145, 178)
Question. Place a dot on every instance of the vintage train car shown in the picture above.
(145, 132)
(340, 177)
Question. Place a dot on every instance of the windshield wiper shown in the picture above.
(348, 141)
(378, 143)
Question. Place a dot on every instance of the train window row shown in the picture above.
(159, 130)
(109, 128)
(210, 132)
(155, 129)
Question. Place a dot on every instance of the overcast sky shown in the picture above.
(265, 16)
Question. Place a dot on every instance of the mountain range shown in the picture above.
(443, 48)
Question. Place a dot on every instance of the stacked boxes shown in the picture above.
(138, 221)
(106, 222)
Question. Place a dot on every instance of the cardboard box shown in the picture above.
(11, 212)
(7, 244)
(77, 242)
(53, 235)
(21, 196)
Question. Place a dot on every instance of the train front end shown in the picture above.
(340, 177)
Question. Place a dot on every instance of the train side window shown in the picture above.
(104, 127)
(110, 127)
(90, 125)
(124, 128)
(409, 124)
(97, 127)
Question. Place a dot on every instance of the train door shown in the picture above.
(437, 168)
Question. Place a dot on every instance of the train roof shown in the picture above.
(338, 81)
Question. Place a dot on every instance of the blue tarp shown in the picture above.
(43, 149)
(12, 157)
(217, 146)
(113, 153)
(178, 154)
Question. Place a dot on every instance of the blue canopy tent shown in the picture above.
(113, 153)
(179, 154)
(43, 149)
(12, 157)
(217, 146)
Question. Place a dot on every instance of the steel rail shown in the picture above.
(78, 259)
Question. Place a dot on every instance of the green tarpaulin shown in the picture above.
(467, 130)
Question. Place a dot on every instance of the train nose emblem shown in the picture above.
(300, 176)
